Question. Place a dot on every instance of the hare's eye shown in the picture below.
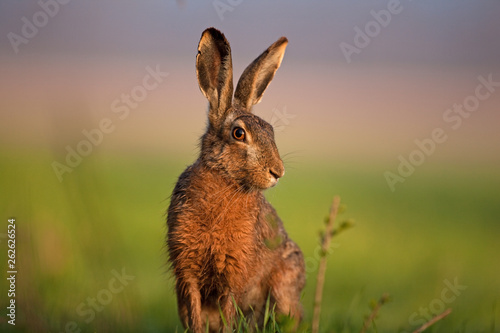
(239, 133)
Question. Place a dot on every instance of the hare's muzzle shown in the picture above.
(276, 173)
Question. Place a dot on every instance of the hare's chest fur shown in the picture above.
(220, 234)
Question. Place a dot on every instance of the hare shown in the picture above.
(226, 243)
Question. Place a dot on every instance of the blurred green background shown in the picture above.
(108, 216)
(90, 242)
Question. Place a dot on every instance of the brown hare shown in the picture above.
(226, 243)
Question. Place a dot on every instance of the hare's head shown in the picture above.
(238, 143)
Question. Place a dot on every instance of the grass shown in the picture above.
(108, 216)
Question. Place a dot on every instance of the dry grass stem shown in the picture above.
(325, 244)
(433, 321)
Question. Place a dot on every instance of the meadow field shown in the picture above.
(91, 256)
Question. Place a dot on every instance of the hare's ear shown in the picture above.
(215, 73)
(257, 76)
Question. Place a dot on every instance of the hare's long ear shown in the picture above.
(215, 73)
(257, 76)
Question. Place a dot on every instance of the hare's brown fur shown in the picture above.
(226, 243)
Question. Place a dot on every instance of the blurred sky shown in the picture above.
(427, 58)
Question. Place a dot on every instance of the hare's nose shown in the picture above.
(274, 174)
(277, 172)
